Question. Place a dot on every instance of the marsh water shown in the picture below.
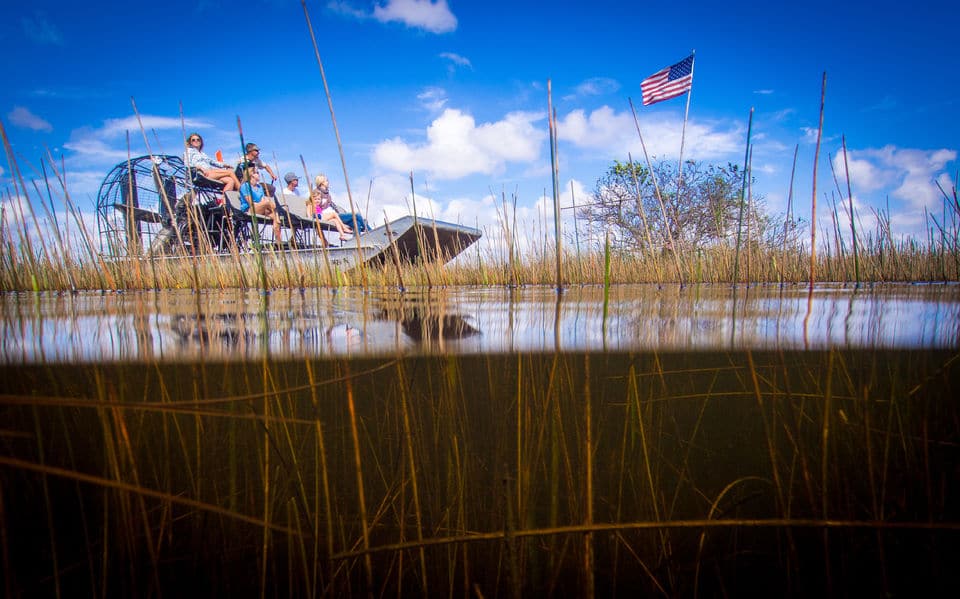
(476, 442)
(183, 325)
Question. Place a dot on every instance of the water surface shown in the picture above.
(176, 325)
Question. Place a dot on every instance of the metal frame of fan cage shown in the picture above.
(151, 205)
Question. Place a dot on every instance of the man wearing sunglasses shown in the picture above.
(252, 159)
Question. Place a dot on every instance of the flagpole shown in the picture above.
(683, 132)
(656, 189)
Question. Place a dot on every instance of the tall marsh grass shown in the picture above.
(878, 261)
(25, 265)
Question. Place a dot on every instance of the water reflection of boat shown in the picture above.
(337, 333)
(433, 327)
(150, 206)
(229, 328)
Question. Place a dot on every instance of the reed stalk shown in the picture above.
(813, 202)
(51, 529)
(103, 272)
(643, 215)
(395, 254)
(789, 215)
(254, 224)
(743, 187)
(267, 480)
(333, 118)
(824, 464)
(555, 178)
(411, 464)
(588, 555)
(656, 189)
(606, 281)
(853, 220)
(361, 496)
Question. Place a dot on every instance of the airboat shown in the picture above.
(155, 207)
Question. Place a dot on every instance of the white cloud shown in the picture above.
(22, 117)
(809, 134)
(112, 127)
(39, 224)
(866, 175)
(909, 175)
(607, 130)
(456, 59)
(431, 15)
(470, 212)
(433, 99)
(345, 8)
(92, 149)
(766, 168)
(597, 86)
(456, 146)
(108, 143)
(782, 115)
(40, 30)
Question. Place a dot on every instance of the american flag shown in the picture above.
(669, 82)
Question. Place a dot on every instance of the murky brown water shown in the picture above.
(691, 442)
(182, 325)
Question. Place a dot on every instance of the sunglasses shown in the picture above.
(193, 139)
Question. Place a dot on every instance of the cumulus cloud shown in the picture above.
(22, 117)
(40, 30)
(456, 146)
(391, 197)
(615, 132)
(431, 15)
(908, 175)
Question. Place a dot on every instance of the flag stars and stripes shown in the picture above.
(668, 82)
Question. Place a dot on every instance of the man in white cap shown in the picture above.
(292, 181)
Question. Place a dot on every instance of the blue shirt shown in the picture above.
(246, 190)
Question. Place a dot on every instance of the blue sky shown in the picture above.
(456, 92)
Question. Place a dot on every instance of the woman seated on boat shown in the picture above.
(323, 205)
(208, 167)
(252, 193)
